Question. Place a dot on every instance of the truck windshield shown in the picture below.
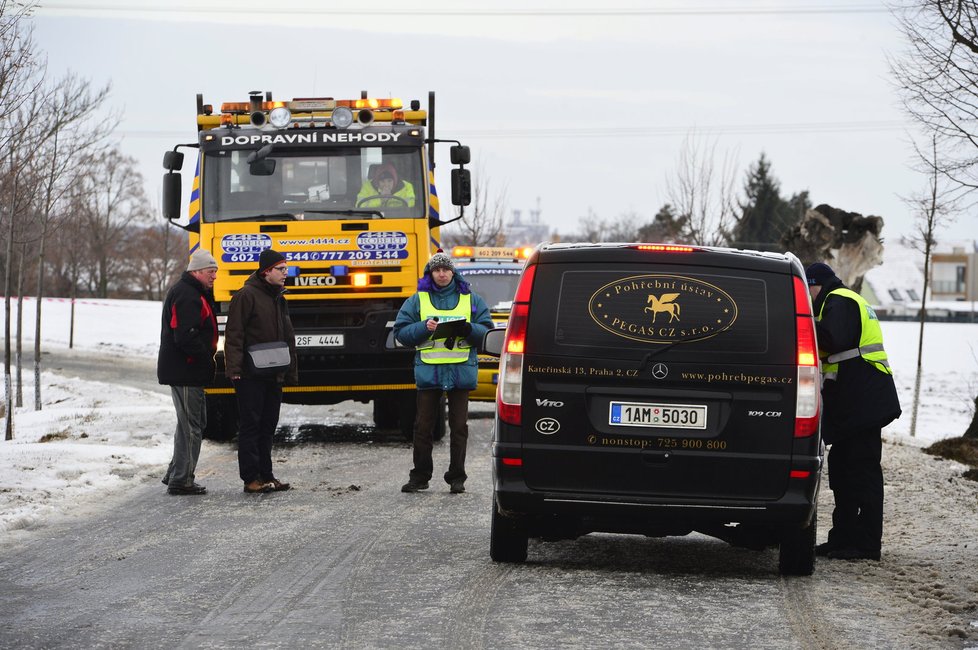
(495, 285)
(334, 183)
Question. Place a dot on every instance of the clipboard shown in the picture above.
(448, 328)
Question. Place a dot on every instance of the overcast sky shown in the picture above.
(577, 105)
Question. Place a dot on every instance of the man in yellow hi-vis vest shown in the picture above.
(859, 399)
(446, 362)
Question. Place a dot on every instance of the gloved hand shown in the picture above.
(465, 329)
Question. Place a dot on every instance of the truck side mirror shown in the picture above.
(460, 155)
(461, 187)
(171, 195)
(173, 161)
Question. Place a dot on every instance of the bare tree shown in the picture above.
(938, 79)
(157, 255)
(69, 134)
(702, 191)
(110, 200)
(483, 224)
(933, 210)
(21, 73)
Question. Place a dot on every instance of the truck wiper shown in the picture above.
(349, 213)
(290, 216)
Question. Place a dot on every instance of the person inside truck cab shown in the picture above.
(383, 189)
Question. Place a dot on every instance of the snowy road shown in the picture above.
(346, 560)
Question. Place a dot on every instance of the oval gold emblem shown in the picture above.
(662, 308)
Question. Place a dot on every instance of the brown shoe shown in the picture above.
(279, 486)
(258, 487)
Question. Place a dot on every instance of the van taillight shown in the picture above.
(509, 402)
(806, 350)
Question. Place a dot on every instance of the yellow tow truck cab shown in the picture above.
(493, 273)
(344, 189)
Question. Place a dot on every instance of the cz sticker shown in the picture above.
(547, 426)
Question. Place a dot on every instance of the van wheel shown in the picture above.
(796, 555)
(508, 539)
(222, 418)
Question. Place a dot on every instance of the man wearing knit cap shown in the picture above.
(188, 341)
(446, 362)
(259, 314)
(859, 398)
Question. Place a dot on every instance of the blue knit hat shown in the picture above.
(819, 274)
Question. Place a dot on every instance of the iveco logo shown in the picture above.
(315, 281)
(547, 426)
(549, 403)
(659, 371)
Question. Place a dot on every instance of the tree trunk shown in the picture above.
(972, 430)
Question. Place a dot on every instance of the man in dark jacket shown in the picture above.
(859, 399)
(445, 363)
(188, 340)
(259, 314)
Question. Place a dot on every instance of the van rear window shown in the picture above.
(690, 312)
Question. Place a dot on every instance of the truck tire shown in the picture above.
(508, 540)
(796, 554)
(407, 413)
(385, 413)
(222, 418)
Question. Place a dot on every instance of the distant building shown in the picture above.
(896, 287)
(955, 272)
(529, 231)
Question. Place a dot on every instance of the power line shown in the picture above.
(473, 13)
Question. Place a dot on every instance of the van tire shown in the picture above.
(796, 554)
(508, 540)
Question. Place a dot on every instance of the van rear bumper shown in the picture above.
(569, 514)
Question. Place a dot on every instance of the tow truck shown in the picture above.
(493, 272)
(302, 177)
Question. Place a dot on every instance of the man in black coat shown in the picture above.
(859, 398)
(188, 341)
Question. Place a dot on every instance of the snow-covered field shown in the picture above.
(91, 437)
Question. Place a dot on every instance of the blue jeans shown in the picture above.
(191, 420)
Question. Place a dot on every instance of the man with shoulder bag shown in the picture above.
(259, 353)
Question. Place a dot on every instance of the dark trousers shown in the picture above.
(458, 416)
(259, 403)
(856, 480)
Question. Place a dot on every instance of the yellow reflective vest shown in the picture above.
(870, 340)
(437, 351)
(370, 198)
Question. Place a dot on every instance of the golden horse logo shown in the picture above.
(664, 303)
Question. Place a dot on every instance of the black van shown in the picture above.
(658, 390)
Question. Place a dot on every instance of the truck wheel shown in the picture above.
(222, 418)
(796, 555)
(385, 413)
(508, 540)
(407, 412)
